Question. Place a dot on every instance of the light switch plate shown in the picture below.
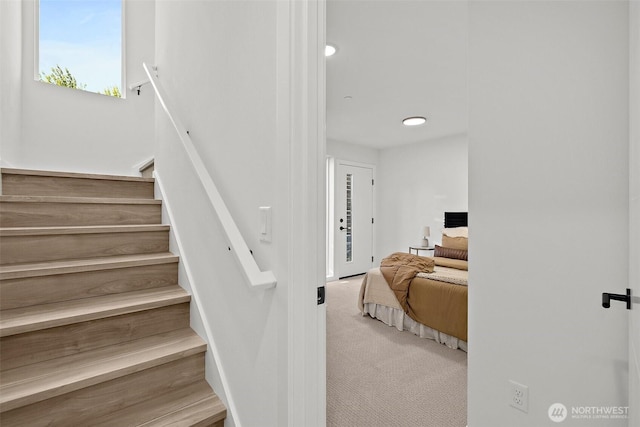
(265, 223)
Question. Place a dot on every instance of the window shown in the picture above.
(349, 241)
(80, 45)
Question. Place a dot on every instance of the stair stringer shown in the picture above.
(214, 371)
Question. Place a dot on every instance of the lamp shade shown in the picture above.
(427, 232)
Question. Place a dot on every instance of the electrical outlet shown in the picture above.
(519, 396)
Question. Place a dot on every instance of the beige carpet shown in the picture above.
(379, 376)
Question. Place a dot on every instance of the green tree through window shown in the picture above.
(80, 45)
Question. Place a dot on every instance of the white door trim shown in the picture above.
(301, 152)
(634, 214)
(330, 210)
(336, 233)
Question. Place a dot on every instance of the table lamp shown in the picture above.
(425, 238)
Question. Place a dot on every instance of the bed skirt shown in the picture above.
(397, 318)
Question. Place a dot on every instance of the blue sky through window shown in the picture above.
(84, 36)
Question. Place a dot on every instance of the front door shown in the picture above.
(354, 219)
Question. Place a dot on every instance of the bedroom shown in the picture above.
(419, 171)
(545, 88)
(416, 68)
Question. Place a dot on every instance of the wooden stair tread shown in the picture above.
(34, 383)
(85, 229)
(195, 403)
(95, 325)
(30, 172)
(202, 413)
(14, 271)
(37, 317)
(88, 200)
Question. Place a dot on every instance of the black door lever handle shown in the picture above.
(606, 297)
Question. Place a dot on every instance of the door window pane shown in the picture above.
(348, 217)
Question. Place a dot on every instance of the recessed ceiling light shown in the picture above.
(414, 121)
(329, 50)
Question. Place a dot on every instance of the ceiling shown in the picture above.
(395, 59)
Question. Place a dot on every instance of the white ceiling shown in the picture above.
(396, 58)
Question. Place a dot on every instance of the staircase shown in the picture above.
(94, 328)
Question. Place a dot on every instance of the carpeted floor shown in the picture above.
(378, 376)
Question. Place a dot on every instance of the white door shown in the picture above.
(354, 219)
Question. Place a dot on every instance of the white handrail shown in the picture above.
(249, 267)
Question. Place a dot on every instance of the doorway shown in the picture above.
(353, 218)
(489, 241)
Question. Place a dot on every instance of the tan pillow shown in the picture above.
(459, 264)
(450, 253)
(455, 242)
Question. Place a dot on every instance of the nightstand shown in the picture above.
(420, 248)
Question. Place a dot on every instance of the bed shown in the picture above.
(430, 297)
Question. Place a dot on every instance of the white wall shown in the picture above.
(548, 173)
(352, 152)
(417, 183)
(10, 80)
(106, 135)
(218, 63)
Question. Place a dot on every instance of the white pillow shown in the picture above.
(456, 232)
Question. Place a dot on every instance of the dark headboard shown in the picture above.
(455, 219)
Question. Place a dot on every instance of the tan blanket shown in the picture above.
(399, 269)
(439, 305)
(375, 290)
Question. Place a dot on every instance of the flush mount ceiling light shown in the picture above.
(329, 50)
(414, 121)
